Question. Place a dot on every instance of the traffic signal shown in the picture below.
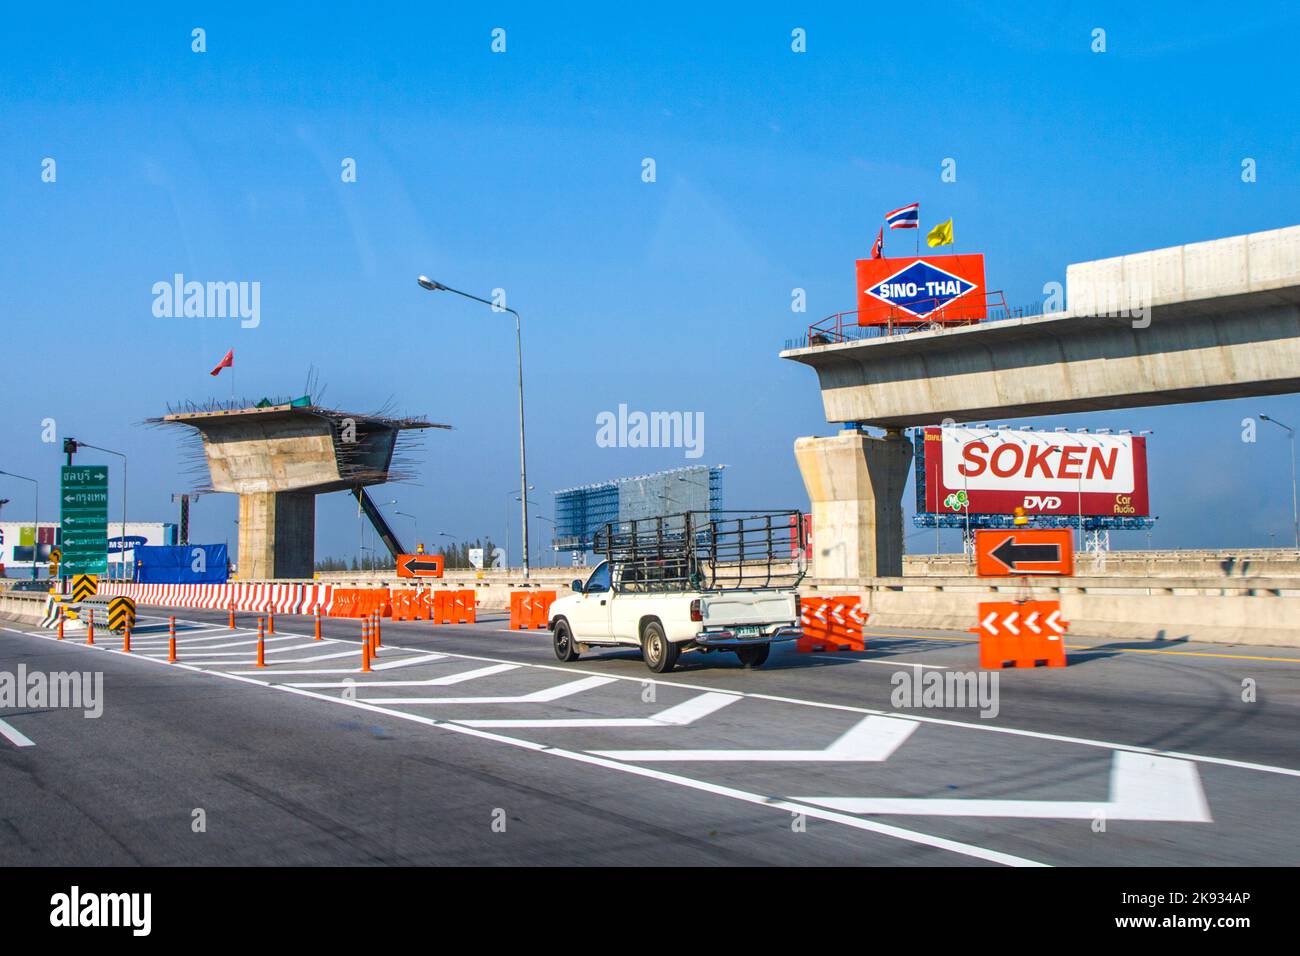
(69, 446)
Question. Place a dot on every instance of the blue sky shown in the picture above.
(522, 171)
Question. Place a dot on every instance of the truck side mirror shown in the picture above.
(576, 585)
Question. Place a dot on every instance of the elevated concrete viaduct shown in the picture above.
(1193, 323)
(277, 459)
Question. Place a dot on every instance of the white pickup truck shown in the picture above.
(645, 598)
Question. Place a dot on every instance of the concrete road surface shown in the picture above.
(471, 744)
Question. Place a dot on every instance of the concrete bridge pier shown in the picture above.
(855, 483)
(277, 534)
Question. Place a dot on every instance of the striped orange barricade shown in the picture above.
(466, 606)
(403, 604)
(345, 602)
(530, 609)
(1020, 634)
(832, 624)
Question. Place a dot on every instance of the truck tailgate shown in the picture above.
(747, 607)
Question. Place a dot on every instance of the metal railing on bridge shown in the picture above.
(844, 327)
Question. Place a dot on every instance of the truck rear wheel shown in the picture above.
(753, 656)
(562, 641)
(660, 654)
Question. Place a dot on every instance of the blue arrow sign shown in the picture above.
(920, 289)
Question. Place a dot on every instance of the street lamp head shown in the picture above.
(430, 284)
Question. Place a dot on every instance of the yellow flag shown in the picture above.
(940, 235)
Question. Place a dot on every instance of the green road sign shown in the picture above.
(84, 519)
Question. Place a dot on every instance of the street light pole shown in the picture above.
(552, 522)
(433, 286)
(1295, 511)
(417, 524)
(121, 554)
(36, 510)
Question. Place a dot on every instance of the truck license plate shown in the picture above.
(748, 631)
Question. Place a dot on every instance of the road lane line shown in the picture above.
(444, 681)
(821, 705)
(536, 697)
(1099, 648)
(1142, 788)
(870, 740)
(679, 715)
(14, 735)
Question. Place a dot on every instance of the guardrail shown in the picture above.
(844, 327)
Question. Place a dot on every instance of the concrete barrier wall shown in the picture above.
(1251, 563)
(24, 606)
(1265, 613)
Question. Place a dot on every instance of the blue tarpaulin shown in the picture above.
(181, 564)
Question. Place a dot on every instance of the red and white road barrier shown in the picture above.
(254, 596)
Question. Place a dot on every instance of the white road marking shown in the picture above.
(431, 682)
(231, 640)
(271, 649)
(1142, 787)
(870, 740)
(536, 697)
(803, 702)
(287, 660)
(322, 671)
(889, 830)
(679, 715)
(14, 735)
(892, 662)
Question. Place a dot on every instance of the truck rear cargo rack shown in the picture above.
(705, 551)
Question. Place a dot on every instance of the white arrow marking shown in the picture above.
(536, 697)
(1142, 787)
(837, 613)
(1054, 621)
(677, 716)
(870, 739)
(820, 613)
(1030, 622)
(1010, 622)
(14, 735)
(990, 623)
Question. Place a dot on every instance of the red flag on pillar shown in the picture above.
(227, 362)
(878, 247)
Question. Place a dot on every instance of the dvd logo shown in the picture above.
(1042, 502)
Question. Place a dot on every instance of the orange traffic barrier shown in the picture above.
(60, 623)
(530, 609)
(410, 604)
(126, 640)
(361, 602)
(318, 637)
(344, 600)
(171, 649)
(232, 617)
(455, 607)
(270, 622)
(90, 630)
(831, 624)
(1020, 634)
(375, 637)
(261, 644)
(365, 645)
(421, 605)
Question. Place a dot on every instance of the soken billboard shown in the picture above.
(921, 289)
(1046, 473)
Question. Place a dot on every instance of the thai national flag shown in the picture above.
(909, 217)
